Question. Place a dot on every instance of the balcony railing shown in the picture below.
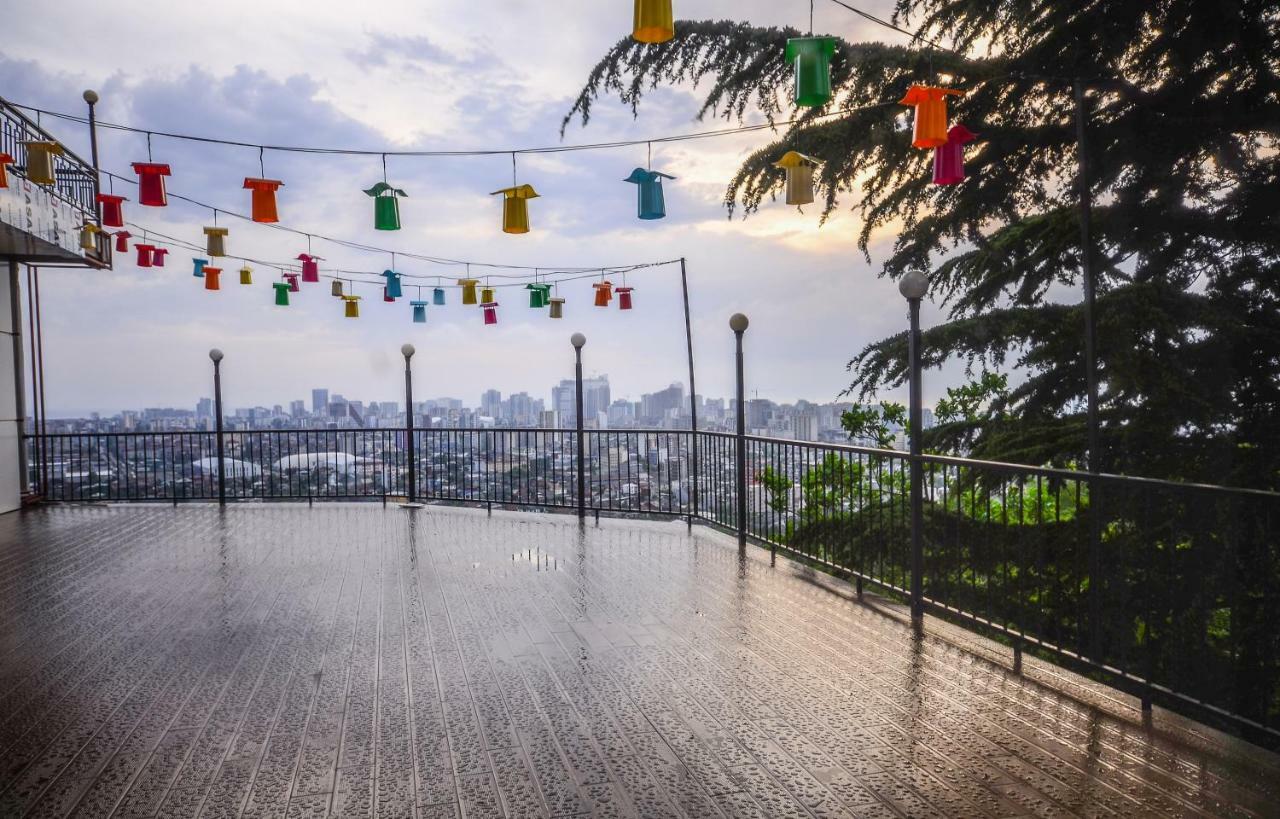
(74, 176)
(1166, 590)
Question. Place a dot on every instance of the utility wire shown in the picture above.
(882, 22)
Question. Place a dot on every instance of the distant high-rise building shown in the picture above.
(319, 401)
(806, 426)
(297, 409)
(491, 404)
(595, 396)
(564, 403)
(204, 408)
(547, 419)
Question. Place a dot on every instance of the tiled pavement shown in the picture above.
(352, 660)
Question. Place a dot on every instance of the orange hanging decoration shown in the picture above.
(931, 114)
(211, 275)
(263, 198)
(604, 293)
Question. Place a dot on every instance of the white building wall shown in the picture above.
(10, 372)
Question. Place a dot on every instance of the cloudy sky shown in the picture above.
(440, 75)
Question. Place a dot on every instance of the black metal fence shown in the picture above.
(74, 176)
(1171, 591)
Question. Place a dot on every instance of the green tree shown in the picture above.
(1183, 103)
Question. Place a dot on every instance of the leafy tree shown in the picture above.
(877, 427)
(1183, 111)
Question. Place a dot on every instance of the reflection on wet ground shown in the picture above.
(352, 660)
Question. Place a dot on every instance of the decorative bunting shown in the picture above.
(211, 278)
(197, 267)
(650, 203)
(419, 311)
(351, 306)
(930, 130)
(216, 241)
(151, 190)
(948, 160)
(282, 293)
(112, 209)
(386, 206)
(654, 21)
(799, 170)
(811, 57)
(263, 198)
(515, 208)
(40, 156)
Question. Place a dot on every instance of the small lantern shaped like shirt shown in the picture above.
(650, 203)
(931, 114)
(419, 311)
(122, 241)
(263, 198)
(468, 290)
(151, 183)
(112, 209)
(799, 169)
(310, 270)
(437, 296)
(539, 294)
(515, 208)
(654, 21)
(386, 206)
(88, 240)
(292, 280)
(157, 256)
(490, 312)
(212, 279)
(351, 308)
(5, 159)
(948, 160)
(216, 241)
(197, 267)
(282, 293)
(557, 307)
(40, 161)
(604, 293)
(336, 289)
(393, 284)
(624, 298)
(246, 275)
(144, 254)
(811, 57)
(486, 294)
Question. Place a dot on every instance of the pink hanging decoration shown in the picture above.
(490, 312)
(948, 159)
(310, 270)
(292, 279)
(144, 254)
(157, 256)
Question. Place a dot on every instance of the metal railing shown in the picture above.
(74, 177)
(1177, 605)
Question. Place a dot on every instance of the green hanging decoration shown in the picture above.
(811, 57)
(539, 295)
(386, 206)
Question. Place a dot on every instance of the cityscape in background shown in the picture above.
(666, 409)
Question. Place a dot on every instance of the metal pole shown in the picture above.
(693, 391)
(91, 97)
(216, 356)
(913, 287)
(44, 407)
(1094, 460)
(35, 388)
(738, 323)
(408, 352)
(19, 393)
(578, 340)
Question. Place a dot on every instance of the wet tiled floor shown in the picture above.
(352, 660)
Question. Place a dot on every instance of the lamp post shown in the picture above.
(913, 287)
(739, 323)
(215, 355)
(407, 351)
(578, 340)
(91, 98)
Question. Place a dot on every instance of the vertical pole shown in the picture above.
(35, 387)
(917, 472)
(19, 393)
(738, 323)
(216, 355)
(693, 390)
(1094, 460)
(91, 97)
(578, 340)
(408, 352)
(44, 407)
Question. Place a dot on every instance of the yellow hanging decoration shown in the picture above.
(246, 275)
(654, 22)
(486, 295)
(40, 161)
(88, 236)
(799, 170)
(352, 303)
(515, 208)
(468, 290)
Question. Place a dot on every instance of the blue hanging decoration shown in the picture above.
(198, 267)
(419, 312)
(650, 203)
(393, 284)
(437, 296)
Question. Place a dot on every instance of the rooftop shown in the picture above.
(360, 660)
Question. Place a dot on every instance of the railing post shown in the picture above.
(913, 287)
(738, 323)
(693, 394)
(407, 351)
(578, 340)
(215, 355)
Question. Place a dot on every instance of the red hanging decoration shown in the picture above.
(211, 275)
(5, 159)
(624, 297)
(122, 241)
(112, 209)
(144, 254)
(292, 280)
(157, 256)
(151, 183)
(948, 160)
(490, 312)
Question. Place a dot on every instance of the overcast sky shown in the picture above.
(439, 75)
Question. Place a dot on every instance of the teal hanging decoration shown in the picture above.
(198, 267)
(649, 200)
(386, 206)
(812, 59)
(419, 312)
(437, 296)
(393, 284)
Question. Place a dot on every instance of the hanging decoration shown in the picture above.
(930, 130)
(5, 159)
(515, 208)
(112, 209)
(310, 270)
(468, 290)
(246, 275)
(157, 256)
(122, 241)
(393, 284)
(197, 267)
(351, 306)
(604, 293)
(88, 236)
(336, 289)
(437, 296)
(263, 198)
(650, 203)
(386, 296)
(292, 280)
(624, 297)
(40, 156)
(151, 190)
(799, 170)
(216, 241)
(539, 294)
(811, 57)
(557, 307)
(654, 21)
(211, 278)
(386, 206)
(419, 311)
(490, 309)
(282, 293)
(144, 254)
(486, 294)
(948, 160)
